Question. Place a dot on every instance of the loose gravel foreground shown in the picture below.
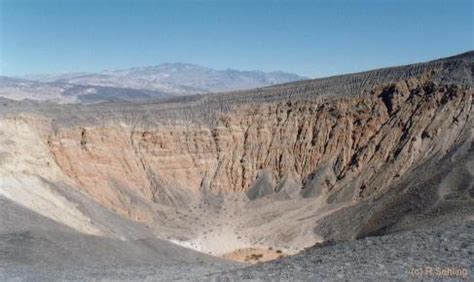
(444, 253)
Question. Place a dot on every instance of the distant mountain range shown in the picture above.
(165, 80)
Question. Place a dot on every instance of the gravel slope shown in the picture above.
(395, 256)
(445, 253)
(35, 248)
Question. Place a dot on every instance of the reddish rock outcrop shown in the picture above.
(369, 140)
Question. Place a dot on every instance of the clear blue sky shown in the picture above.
(312, 38)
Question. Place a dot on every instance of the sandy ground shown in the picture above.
(437, 254)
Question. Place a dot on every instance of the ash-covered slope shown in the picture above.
(439, 253)
(272, 169)
(27, 238)
(33, 247)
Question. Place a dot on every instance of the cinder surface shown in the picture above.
(88, 190)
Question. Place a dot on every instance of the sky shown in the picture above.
(310, 38)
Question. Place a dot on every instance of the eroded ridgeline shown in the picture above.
(340, 148)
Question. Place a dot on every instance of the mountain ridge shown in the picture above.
(137, 83)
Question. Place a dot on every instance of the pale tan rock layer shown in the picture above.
(365, 142)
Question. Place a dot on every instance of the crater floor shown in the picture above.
(201, 187)
(445, 253)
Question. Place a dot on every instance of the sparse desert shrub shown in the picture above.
(256, 256)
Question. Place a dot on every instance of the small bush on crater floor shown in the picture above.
(256, 256)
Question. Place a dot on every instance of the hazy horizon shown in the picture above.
(147, 66)
(311, 39)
